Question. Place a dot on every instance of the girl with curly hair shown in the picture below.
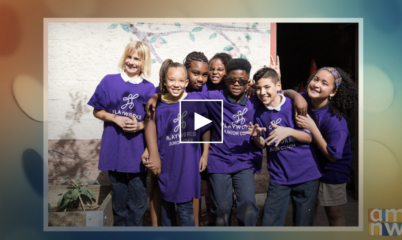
(217, 71)
(332, 98)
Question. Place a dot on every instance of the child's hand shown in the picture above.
(156, 165)
(151, 104)
(203, 163)
(250, 91)
(277, 135)
(121, 121)
(131, 125)
(300, 105)
(305, 122)
(255, 130)
(145, 160)
(275, 66)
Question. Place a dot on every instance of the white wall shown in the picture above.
(81, 54)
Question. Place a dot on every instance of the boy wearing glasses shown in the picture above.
(233, 163)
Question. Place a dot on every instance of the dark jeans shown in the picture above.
(303, 200)
(222, 185)
(185, 211)
(129, 197)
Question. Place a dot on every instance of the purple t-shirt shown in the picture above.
(180, 179)
(236, 152)
(209, 86)
(291, 162)
(336, 134)
(121, 151)
(203, 89)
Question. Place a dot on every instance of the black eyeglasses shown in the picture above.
(242, 82)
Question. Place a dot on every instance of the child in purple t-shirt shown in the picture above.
(291, 162)
(331, 97)
(119, 101)
(232, 164)
(177, 165)
(217, 71)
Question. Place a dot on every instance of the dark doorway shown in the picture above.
(329, 44)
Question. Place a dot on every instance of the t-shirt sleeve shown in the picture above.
(98, 99)
(336, 141)
(150, 94)
(256, 102)
(206, 95)
(202, 108)
(304, 94)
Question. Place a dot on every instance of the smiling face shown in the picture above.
(267, 91)
(236, 82)
(132, 65)
(176, 81)
(217, 71)
(197, 74)
(321, 87)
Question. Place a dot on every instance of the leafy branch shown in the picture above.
(218, 28)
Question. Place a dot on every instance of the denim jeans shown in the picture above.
(303, 200)
(222, 185)
(185, 211)
(129, 197)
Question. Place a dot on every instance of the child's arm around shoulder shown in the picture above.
(300, 103)
(152, 102)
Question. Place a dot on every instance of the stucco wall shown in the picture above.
(81, 54)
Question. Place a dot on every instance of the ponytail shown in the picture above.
(168, 63)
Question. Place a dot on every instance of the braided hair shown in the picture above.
(194, 56)
(344, 103)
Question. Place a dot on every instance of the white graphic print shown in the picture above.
(275, 122)
(176, 120)
(239, 116)
(130, 101)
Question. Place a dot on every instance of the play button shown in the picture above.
(200, 121)
(195, 117)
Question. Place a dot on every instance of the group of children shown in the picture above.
(135, 142)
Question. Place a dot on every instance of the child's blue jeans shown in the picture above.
(303, 201)
(129, 197)
(185, 211)
(222, 185)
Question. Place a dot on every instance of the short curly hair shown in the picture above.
(224, 57)
(266, 72)
(238, 64)
(344, 103)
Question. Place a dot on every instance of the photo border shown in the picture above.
(359, 21)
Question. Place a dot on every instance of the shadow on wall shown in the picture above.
(70, 156)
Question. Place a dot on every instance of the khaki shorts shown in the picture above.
(331, 194)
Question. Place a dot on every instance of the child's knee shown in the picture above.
(224, 207)
(334, 212)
